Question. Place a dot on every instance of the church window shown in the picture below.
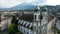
(38, 16)
(35, 16)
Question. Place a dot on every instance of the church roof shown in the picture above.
(56, 14)
(27, 17)
(26, 24)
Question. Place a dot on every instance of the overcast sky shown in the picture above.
(11, 3)
(53, 2)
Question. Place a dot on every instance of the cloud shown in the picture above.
(52, 2)
(11, 3)
(40, 2)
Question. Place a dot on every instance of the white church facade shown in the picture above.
(35, 23)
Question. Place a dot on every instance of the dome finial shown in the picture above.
(46, 8)
(37, 7)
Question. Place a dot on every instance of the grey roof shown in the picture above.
(27, 17)
(55, 14)
(25, 24)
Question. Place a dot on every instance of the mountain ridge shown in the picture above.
(28, 6)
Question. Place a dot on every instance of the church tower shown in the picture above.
(36, 22)
(40, 21)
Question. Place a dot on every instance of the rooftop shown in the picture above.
(27, 17)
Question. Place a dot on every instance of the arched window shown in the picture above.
(38, 16)
(35, 16)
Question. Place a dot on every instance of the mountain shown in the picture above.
(30, 6)
(20, 6)
(23, 6)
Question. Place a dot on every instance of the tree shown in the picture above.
(14, 21)
(12, 29)
(58, 31)
(13, 26)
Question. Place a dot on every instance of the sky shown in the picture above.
(11, 3)
(53, 2)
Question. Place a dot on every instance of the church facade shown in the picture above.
(35, 23)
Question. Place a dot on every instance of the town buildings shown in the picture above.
(34, 23)
(5, 21)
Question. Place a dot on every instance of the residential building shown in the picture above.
(5, 21)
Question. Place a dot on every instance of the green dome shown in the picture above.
(37, 8)
(45, 9)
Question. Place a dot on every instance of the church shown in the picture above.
(34, 23)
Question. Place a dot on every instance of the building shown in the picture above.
(25, 25)
(0, 21)
(35, 23)
(57, 15)
(5, 21)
